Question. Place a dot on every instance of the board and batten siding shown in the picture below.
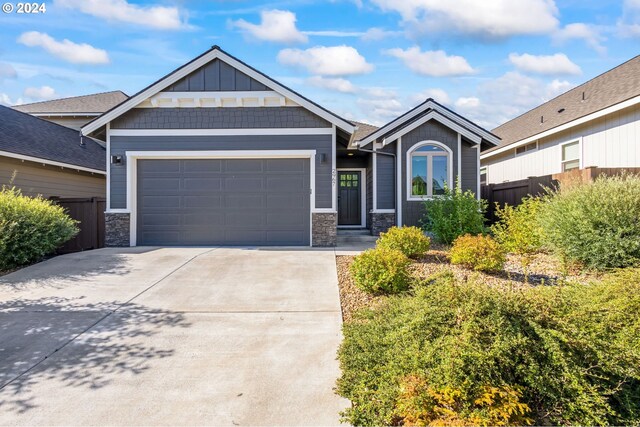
(321, 143)
(612, 141)
(50, 181)
(217, 75)
(219, 118)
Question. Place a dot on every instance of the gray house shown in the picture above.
(217, 153)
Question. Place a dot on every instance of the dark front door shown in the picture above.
(349, 197)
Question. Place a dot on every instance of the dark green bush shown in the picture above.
(411, 241)
(480, 253)
(596, 224)
(571, 354)
(30, 228)
(454, 214)
(381, 271)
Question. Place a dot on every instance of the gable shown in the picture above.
(217, 75)
(227, 82)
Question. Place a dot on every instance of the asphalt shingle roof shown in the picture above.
(614, 86)
(21, 133)
(364, 130)
(94, 103)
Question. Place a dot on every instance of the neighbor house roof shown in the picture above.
(613, 87)
(214, 53)
(26, 137)
(96, 103)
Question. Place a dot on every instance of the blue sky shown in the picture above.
(368, 60)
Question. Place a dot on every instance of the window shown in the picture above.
(483, 176)
(525, 148)
(570, 156)
(429, 170)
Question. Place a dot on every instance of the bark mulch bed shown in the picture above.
(544, 270)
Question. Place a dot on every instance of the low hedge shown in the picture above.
(30, 228)
(411, 241)
(381, 271)
(465, 353)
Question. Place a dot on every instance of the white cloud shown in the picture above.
(629, 23)
(7, 71)
(377, 34)
(275, 26)
(336, 83)
(438, 95)
(69, 51)
(434, 63)
(380, 110)
(6, 100)
(544, 64)
(158, 17)
(579, 31)
(334, 33)
(489, 19)
(508, 96)
(327, 61)
(40, 93)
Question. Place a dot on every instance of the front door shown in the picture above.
(349, 197)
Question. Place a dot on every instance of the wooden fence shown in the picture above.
(513, 192)
(90, 214)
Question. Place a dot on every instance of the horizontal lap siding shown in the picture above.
(320, 143)
(469, 159)
(219, 118)
(385, 183)
(49, 181)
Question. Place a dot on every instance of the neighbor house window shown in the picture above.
(570, 156)
(483, 176)
(429, 170)
(533, 146)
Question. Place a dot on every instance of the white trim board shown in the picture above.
(221, 132)
(433, 115)
(429, 104)
(217, 99)
(612, 109)
(213, 53)
(50, 162)
(132, 187)
(363, 196)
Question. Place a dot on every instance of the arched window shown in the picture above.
(429, 166)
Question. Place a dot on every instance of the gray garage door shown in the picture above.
(223, 202)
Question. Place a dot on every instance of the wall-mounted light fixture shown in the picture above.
(116, 160)
(323, 158)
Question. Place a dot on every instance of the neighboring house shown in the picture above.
(595, 124)
(43, 158)
(217, 153)
(76, 111)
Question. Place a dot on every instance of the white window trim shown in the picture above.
(410, 197)
(516, 154)
(134, 156)
(363, 196)
(580, 156)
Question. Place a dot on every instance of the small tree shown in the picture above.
(518, 230)
(454, 214)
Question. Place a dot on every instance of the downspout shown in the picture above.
(395, 166)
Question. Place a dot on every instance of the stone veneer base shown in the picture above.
(324, 231)
(381, 222)
(116, 229)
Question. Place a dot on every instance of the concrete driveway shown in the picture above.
(171, 336)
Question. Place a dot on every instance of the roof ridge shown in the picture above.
(71, 97)
(566, 92)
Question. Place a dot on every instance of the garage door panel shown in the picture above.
(223, 202)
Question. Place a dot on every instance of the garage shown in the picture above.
(223, 201)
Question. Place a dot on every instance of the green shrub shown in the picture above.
(30, 228)
(595, 224)
(518, 230)
(454, 214)
(571, 353)
(411, 241)
(480, 253)
(381, 271)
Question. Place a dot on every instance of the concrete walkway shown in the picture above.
(172, 336)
